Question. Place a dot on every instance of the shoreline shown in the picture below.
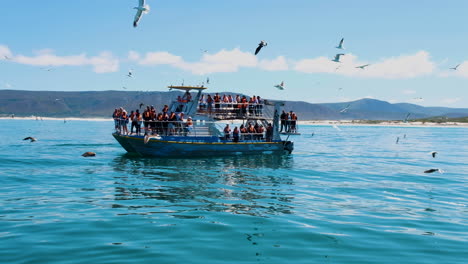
(305, 122)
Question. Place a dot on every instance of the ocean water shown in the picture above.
(346, 195)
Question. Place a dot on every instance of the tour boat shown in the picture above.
(205, 134)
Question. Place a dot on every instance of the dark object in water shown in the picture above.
(30, 138)
(434, 153)
(89, 154)
(431, 170)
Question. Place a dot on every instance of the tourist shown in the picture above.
(227, 132)
(133, 124)
(293, 122)
(146, 119)
(217, 101)
(235, 135)
(283, 118)
(269, 133)
(188, 126)
(252, 105)
(202, 102)
(209, 101)
(187, 96)
(251, 130)
(260, 131)
(124, 122)
(138, 123)
(259, 106)
(115, 116)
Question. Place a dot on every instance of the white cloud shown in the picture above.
(104, 62)
(278, 64)
(133, 55)
(317, 65)
(4, 51)
(160, 58)
(222, 61)
(405, 66)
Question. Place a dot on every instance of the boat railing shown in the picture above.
(225, 110)
(199, 128)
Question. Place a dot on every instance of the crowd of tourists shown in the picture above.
(237, 104)
(249, 132)
(161, 123)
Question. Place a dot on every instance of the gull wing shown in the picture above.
(258, 49)
(137, 16)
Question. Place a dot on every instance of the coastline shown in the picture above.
(305, 122)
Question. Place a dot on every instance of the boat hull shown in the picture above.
(198, 146)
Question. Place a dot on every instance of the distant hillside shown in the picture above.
(102, 104)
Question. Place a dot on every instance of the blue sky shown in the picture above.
(89, 45)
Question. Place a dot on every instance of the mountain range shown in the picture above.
(102, 103)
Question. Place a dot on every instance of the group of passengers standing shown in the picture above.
(240, 104)
(288, 122)
(249, 132)
(163, 123)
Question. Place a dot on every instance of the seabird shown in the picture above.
(345, 109)
(337, 57)
(340, 46)
(6, 57)
(336, 127)
(141, 9)
(207, 80)
(363, 66)
(406, 118)
(433, 170)
(260, 46)
(455, 68)
(280, 86)
(433, 153)
(88, 154)
(30, 138)
(130, 74)
(141, 105)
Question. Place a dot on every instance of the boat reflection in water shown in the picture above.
(252, 185)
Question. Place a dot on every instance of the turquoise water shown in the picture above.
(349, 196)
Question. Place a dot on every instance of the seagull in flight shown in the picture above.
(454, 68)
(260, 46)
(280, 86)
(345, 109)
(130, 73)
(340, 46)
(6, 57)
(337, 57)
(142, 8)
(362, 66)
(406, 118)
